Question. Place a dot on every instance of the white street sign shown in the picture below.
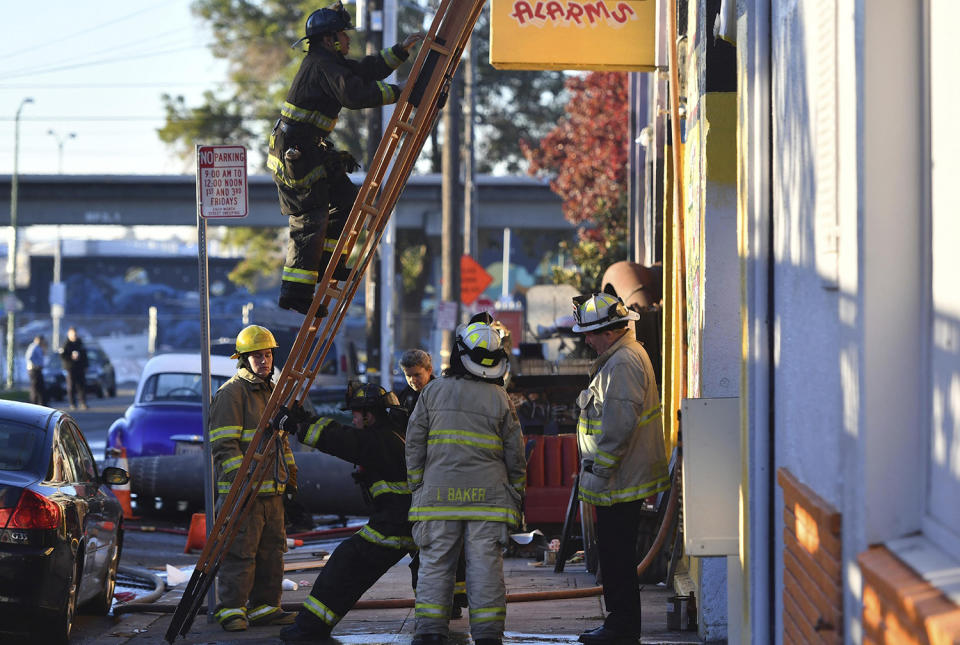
(222, 181)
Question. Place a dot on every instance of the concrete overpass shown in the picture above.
(522, 203)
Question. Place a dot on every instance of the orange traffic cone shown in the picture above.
(197, 535)
(122, 491)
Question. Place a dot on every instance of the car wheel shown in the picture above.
(103, 601)
(60, 625)
(112, 391)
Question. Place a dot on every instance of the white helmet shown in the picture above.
(600, 310)
(481, 348)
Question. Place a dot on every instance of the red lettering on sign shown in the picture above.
(522, 11)
(575, 13)
(621, 14)
(554, 10)
(595, 11)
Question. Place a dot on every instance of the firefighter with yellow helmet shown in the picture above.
(622, 455)
(251, 575)
(467, 473)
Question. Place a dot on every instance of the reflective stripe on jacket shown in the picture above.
(465, 456)
(620, 430)
(234, 415)
(327, 82)
(378, 451)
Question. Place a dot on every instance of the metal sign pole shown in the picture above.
(208, 496)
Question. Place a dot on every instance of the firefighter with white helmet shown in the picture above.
(311, 175)
(375, 444)
(251, 575)
(623, 459)
(467, 487)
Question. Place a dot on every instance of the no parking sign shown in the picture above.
(222, 181)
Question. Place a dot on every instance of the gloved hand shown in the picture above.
(290, 493)
(291, 420)
(350, 163)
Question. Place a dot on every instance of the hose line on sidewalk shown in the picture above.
(534, 596)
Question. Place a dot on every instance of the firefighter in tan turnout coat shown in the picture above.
(622, 455)
(252, 571)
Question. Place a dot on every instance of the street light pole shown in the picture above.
(12, 251)
(60, 142)
(56, 292)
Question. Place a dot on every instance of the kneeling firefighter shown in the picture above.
(375, 444)
(251, 575)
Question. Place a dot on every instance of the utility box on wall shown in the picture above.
(711, 476)
(567, 34)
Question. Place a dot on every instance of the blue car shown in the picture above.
(166, 417)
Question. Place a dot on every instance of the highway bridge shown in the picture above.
(138, 200)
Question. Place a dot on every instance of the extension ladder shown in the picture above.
(414, 116)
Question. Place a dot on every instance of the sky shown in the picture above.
(96, 69)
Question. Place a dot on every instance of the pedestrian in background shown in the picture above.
(623, 459)
(467, 473)
(417, 368)
(73, 357)
(311, 175)
(251, 576)
(35, 356)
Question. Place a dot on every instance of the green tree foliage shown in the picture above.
(586, 157)
(254, 37)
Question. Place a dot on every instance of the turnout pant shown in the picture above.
(617, 527)
(353, 567)
(252, 570)
(316, 217)
(440, 543)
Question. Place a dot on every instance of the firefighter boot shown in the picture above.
(429, 639)
(297, 634)
(298, 296)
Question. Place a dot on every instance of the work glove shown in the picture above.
(292, 420)
(290, 493)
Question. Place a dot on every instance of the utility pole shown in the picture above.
(470, 245)
(450, 195)
(12, 250)
(57, 296)
(373, 289)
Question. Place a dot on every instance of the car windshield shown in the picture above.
(179, 387)
(19, 445)
(94, 355)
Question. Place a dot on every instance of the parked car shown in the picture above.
(166, 416)
(61, 527)
(101, 377)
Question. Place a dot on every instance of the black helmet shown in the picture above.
(327, 21)
(369, 396)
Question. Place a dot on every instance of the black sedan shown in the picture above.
(60, 525)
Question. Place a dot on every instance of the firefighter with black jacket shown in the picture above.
(375, 444)
(311, 176)
(251, 575)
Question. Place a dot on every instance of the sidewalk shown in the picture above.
(554, 621)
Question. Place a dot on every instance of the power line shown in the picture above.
(102, 61)
(90, 29)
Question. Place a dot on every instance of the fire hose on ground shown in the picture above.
(405, 603)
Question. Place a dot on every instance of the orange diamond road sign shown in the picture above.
(474, 279)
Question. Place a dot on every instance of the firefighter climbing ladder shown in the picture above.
(413, 118)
